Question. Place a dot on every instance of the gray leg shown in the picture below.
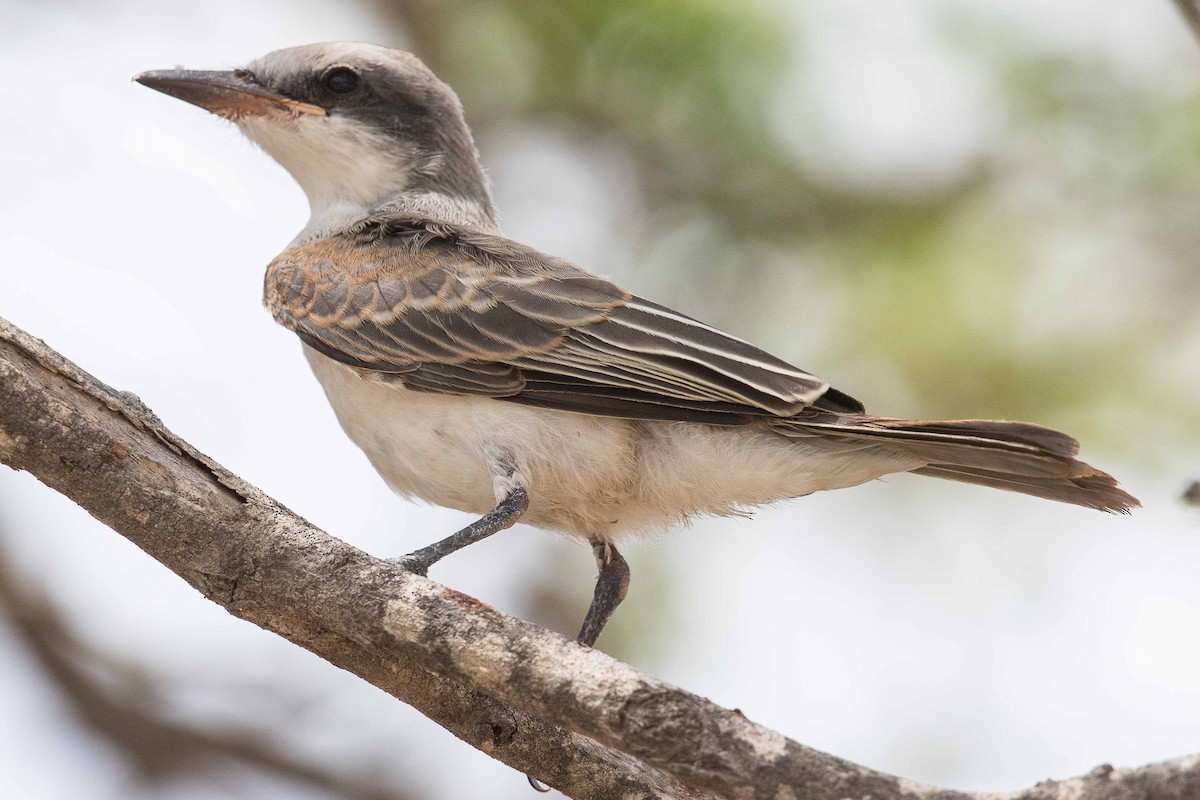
(513, 501)
(611, 585)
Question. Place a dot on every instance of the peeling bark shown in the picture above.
(574, 718)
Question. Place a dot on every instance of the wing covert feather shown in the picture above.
(440, 308)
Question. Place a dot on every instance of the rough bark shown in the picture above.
(569, 716)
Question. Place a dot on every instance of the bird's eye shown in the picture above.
(340, 80)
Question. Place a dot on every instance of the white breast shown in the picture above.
(586, 475)
(579, 469)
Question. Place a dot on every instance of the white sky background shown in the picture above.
(947, 634)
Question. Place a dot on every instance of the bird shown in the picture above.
(477, 373)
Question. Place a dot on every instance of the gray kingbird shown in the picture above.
(480, 374)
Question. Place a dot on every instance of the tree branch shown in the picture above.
(572, 717)
(107, 452)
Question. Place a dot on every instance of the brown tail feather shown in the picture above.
(1017, 456)
(1098, 490)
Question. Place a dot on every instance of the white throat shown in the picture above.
(343, 168)
(348, 172)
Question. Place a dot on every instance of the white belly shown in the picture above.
(579, 469)
(586, 475)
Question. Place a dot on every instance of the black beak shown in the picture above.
(227, 94)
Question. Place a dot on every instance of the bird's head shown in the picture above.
(355, 124)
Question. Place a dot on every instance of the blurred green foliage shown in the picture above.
(1055, 277)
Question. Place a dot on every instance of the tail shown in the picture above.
(1017, 456)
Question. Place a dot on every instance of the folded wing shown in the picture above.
(440, 308)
